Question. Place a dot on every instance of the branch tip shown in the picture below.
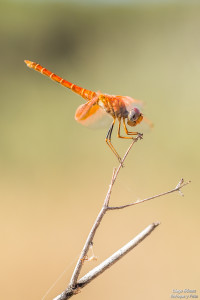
(156, 223)
(180, 185)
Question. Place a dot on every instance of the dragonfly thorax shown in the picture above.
(113, 105)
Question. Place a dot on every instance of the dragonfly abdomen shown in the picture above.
(86, 94)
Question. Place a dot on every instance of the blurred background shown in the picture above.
(54, 173)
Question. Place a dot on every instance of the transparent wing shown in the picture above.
(130, 102)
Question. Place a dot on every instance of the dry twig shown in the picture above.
(75, 285)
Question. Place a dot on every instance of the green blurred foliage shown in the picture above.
(54, 173)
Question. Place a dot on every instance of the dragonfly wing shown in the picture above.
(92, 115)
(130, 102)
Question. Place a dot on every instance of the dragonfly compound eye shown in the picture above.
(134, 114)
(134, 117)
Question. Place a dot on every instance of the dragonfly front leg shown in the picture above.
(128, 132)
(123, 137)
(108, 141)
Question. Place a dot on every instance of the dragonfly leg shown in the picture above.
(127, 132)
(119, 135)
(108, 141)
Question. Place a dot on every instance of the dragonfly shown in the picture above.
(123, 109)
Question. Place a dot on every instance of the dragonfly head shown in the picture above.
(134, 117)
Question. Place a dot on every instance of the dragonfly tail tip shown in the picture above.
(28, 63)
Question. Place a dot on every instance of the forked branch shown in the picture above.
(69, 292)
(75, 285)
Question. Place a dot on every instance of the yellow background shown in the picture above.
(54, 173)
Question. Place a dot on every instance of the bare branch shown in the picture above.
(178, 188)
(116, 256)
(90, 237)
(88, 242)
(76, 285)
(107, 263)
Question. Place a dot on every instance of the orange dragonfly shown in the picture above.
(120, 108)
